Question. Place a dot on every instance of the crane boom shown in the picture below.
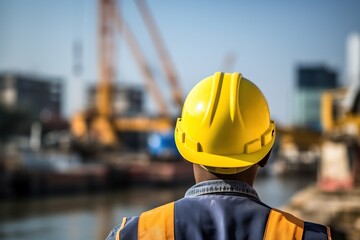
(106, 51)
(150, 82)
(162, 52)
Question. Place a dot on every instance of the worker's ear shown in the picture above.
(264, 161)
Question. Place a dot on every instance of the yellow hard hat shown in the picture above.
(225, 124)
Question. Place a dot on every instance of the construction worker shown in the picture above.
(226, 132)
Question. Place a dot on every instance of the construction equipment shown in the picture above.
(99, 126)
(340, 115)
(340, 151)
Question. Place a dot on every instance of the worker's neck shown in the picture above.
(248, 176)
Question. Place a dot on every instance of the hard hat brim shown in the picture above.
(222, 161)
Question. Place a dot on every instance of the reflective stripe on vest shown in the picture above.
(121, 227)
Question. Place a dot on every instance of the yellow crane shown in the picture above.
(99, 126)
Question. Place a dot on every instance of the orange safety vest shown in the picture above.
(159, 224)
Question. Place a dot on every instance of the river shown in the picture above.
(92, 216)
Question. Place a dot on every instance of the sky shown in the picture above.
(268, 41)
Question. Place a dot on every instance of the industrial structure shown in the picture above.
(101, 125)
(326, 134)
(340, 112)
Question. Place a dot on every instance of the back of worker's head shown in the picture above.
(225, 125)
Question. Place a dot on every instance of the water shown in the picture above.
(93, 216)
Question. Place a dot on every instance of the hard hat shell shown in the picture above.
(225, 124)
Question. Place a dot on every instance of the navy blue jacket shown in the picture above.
(218, 210)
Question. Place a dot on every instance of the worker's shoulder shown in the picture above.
(280, 220)
(129, 227)
(162, 211)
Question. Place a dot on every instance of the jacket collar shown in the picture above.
(221, 186)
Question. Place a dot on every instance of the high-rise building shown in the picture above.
(39, 96)
(351, 100)
(310, 84)
(353, 59)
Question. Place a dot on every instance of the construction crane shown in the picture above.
(99, 126)
(96, 125)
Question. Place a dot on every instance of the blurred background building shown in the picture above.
(310, 84)
(41, 96)
(127, 100)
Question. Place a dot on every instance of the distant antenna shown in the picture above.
(77, 58)
(229, 62)
(77, 49)
(76, 89)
